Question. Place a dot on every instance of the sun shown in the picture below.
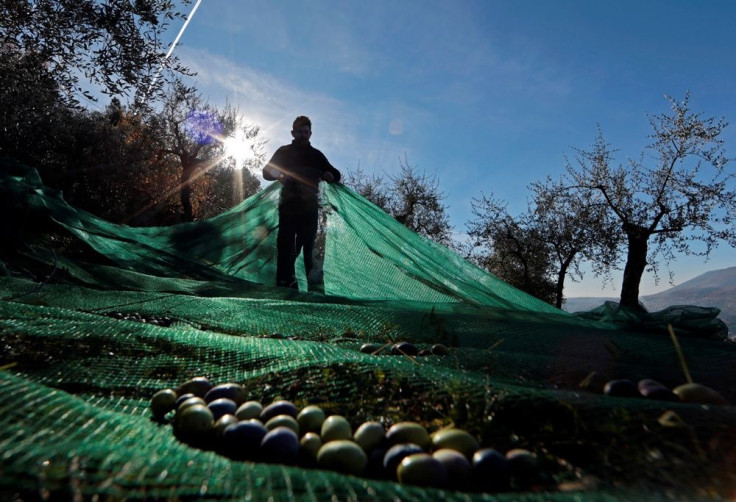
(240, 148)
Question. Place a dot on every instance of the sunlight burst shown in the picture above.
(241, 148)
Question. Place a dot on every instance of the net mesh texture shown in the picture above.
(123, 312)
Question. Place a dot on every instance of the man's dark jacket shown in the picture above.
(302, 167)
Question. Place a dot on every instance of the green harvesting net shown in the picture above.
(95, 318)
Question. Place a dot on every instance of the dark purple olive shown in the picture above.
(523, 463)
(395, 455)
(651, 389)
(199, 386)
(279, 408)
(404, 348)
(231, 391)
(222, 406)
(370, 348)
(183, 398)
(621, 388)
(280, 446)
(491, 471)
(242, 441)
(456, 465)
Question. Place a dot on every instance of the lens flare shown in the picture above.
(203, 127)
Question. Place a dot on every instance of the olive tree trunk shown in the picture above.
(636, 262)
(560, 284)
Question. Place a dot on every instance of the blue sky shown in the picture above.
(486, 95)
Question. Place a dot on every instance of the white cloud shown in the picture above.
(372, 135)
(266, 100)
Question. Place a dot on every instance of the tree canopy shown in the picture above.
(112, 44)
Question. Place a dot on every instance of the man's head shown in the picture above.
(301, 130)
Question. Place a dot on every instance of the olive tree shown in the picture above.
(411, 197)
(33, 116)
(678, 199)
(372, 187)
(512, 248)
(118, 173)
(115, 45)
(575, 230)
(541, 248)
(194, 132)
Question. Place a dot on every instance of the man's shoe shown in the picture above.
(316, 287)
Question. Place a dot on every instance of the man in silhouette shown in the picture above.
(299, 167)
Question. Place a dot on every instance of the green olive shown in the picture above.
(223, 423)
(189, 402)
(697, 393)
(369, 435)
(408, 432)
(196, 419)
(335, 427)
(455, 439)
(343, 456)
(310, 418)
(283, 421)
(421, 469)
(311, 443)
(248, 410)
(163, 402)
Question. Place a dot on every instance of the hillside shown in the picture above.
(716, 288)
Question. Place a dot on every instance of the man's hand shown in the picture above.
(328, 177)
(272, 173)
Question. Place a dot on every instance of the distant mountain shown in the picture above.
(716, 288)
